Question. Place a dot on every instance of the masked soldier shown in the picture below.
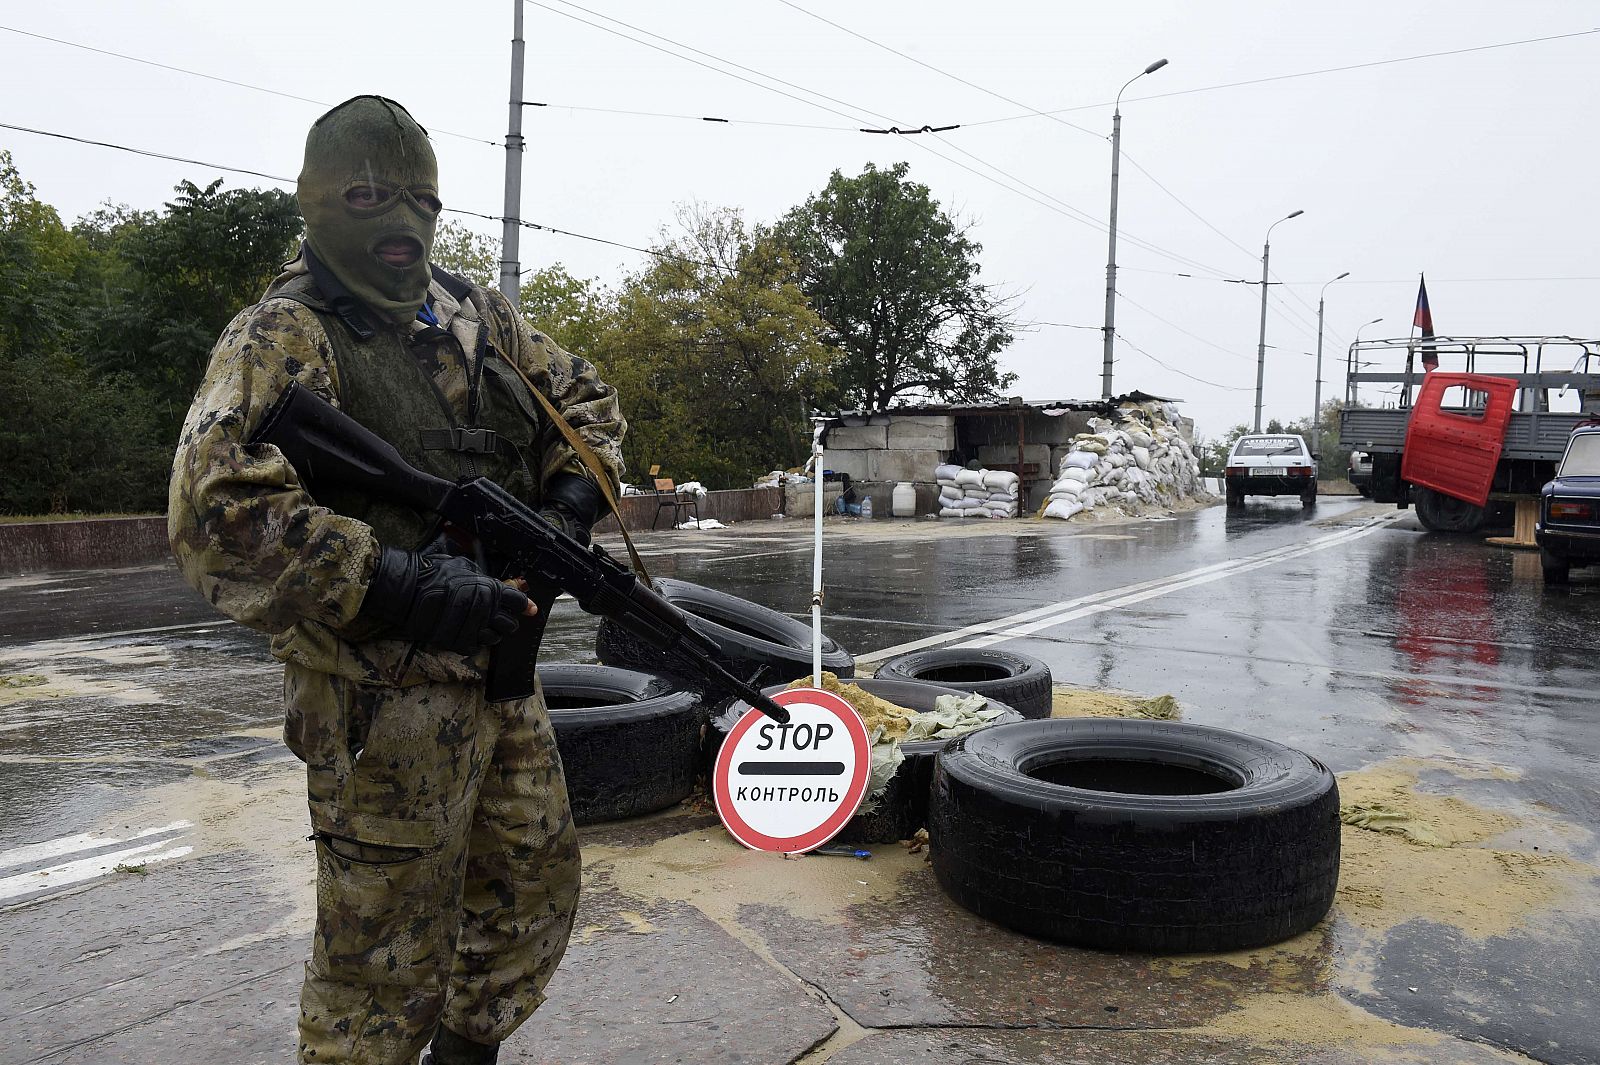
(447, 864)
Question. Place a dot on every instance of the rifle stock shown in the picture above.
(328, 447)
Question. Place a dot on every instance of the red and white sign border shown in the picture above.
(854, 792)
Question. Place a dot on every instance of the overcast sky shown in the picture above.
(1477, 168)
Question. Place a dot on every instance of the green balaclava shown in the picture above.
(369, 190)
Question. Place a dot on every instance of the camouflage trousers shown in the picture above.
(447, 864)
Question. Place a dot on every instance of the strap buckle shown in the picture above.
(465, 441)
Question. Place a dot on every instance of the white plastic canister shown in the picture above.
(904, 504)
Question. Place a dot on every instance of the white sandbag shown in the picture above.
(1067, 487)
(947, 498)
(1092, 445)
(946, 472)
(956, 512)
(1140, 438)
(1062, 509)
(1142, 457)
(999, 480)
(969, 478)
(967, 503)
(1002, 497)
(1075, 474)
(1080, 460)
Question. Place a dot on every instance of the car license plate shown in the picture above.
(1265, 471)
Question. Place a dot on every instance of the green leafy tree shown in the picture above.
(576, 312)
(897, 280)
(466, 253)
(38, 257)
(186, 274)
(717, 354)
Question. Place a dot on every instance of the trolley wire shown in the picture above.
(1033, 193)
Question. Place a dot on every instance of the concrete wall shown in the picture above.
(100, 543)
(799, 500)
(889, 447)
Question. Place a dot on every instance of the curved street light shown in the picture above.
(1261, 346)
(1316, 402)
(1111, 255)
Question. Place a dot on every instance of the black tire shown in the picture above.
(749, 637)
(1020, 681)
(1160, 870)
(1235, 497)
(629, 741)
(1556, 569)
(903, 807)
(1308, 498)
(1446, 514)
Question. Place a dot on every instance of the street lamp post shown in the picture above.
(1316, 402)
(1352, 394)
(1261, 345)
(1111, 256)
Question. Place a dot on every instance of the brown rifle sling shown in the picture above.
(587, 456)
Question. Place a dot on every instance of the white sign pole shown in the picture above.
(816, 562)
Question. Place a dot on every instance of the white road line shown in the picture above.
(58, 876)
(1028, 622)
(29, 853)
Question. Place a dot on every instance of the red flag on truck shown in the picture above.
(1423, 320)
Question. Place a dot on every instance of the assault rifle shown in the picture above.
(328, 448)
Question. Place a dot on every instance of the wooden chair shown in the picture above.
(667, 497)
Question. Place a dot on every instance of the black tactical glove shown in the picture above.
(441, 600)
(572, 504)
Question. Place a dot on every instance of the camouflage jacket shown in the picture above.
(249, 537)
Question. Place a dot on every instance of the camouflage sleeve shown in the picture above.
(245, 533)
(574, 386)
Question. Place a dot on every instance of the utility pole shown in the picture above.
(1110, 328)
(1261, 346)
(511, 226)
(1316, 403)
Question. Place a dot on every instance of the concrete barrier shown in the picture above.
(93, 543)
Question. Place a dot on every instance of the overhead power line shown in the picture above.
(1180, 373)
(1208, 343)
(938, 70)
(216, 78)
(1365, 281)
(1298, 74)
(1033, 193)
(152, 155)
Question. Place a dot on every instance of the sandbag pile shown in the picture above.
(1137, 463)
(976, 493)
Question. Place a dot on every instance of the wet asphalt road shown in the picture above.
(1344, 631)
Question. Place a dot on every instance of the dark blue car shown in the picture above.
(1569, 509)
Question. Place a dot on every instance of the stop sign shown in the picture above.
(792, 787)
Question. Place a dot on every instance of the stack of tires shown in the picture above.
(631, 731)
(634, 735)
